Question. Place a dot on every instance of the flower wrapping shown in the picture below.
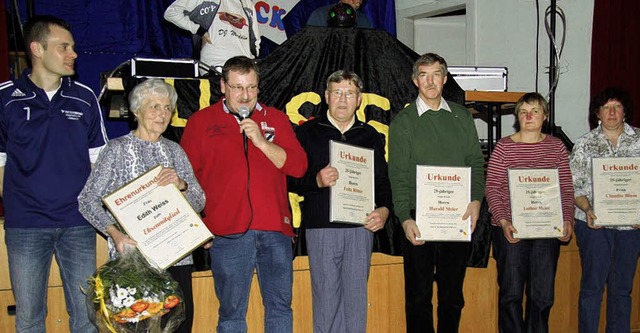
(127, 295)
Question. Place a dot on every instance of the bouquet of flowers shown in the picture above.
(127, 295)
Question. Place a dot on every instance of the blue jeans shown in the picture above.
(527, 266)
(608, 256)
(30, 251)
(233, 259)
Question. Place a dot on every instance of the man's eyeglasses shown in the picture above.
(339, 93)
(236, 89)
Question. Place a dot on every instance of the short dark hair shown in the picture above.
(428, 59)
(38, 29)
(240, 64)
(531, 98)
(601, 98)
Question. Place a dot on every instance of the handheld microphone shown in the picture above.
(244, 113)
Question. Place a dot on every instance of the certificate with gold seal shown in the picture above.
(616, 190)
(536, 206)
(352, 197)
(159, 218)
(442, 197)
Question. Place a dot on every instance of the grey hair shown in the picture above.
(429, 59)
(345, 75)
(151, 87)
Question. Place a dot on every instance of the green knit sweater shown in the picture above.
(440, 138)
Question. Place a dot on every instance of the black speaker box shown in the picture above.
(164, 68)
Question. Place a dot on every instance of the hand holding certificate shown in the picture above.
(352, 196)
(443, 194)
(536, 208)
(616, 190)
(158, 218)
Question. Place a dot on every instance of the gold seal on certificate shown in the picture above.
(159, 218)
(442, 197)
(536, 207)
(616, 190)
(352, 196)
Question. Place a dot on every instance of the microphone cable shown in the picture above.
(244, 113)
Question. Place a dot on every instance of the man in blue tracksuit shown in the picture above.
(51, 130)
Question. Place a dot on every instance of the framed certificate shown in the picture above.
(616, 190)
(159, 218)
(442, 197)
(352, 197)
(536, 207)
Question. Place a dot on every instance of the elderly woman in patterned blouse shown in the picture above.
(152, 102)
(608, 255)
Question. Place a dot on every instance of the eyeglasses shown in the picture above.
(237, 89)
(338, 93)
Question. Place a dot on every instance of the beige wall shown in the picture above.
(502, 33)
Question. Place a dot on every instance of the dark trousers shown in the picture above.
(182, 275)
(528, 266)
(446, 264)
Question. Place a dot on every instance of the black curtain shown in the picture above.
(298, 69)
(303, 63)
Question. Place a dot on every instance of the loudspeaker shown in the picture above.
(164, 68)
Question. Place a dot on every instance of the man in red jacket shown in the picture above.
(242, 152)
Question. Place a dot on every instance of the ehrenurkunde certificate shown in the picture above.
(159, 218)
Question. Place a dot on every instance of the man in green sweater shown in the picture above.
(432, 131)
